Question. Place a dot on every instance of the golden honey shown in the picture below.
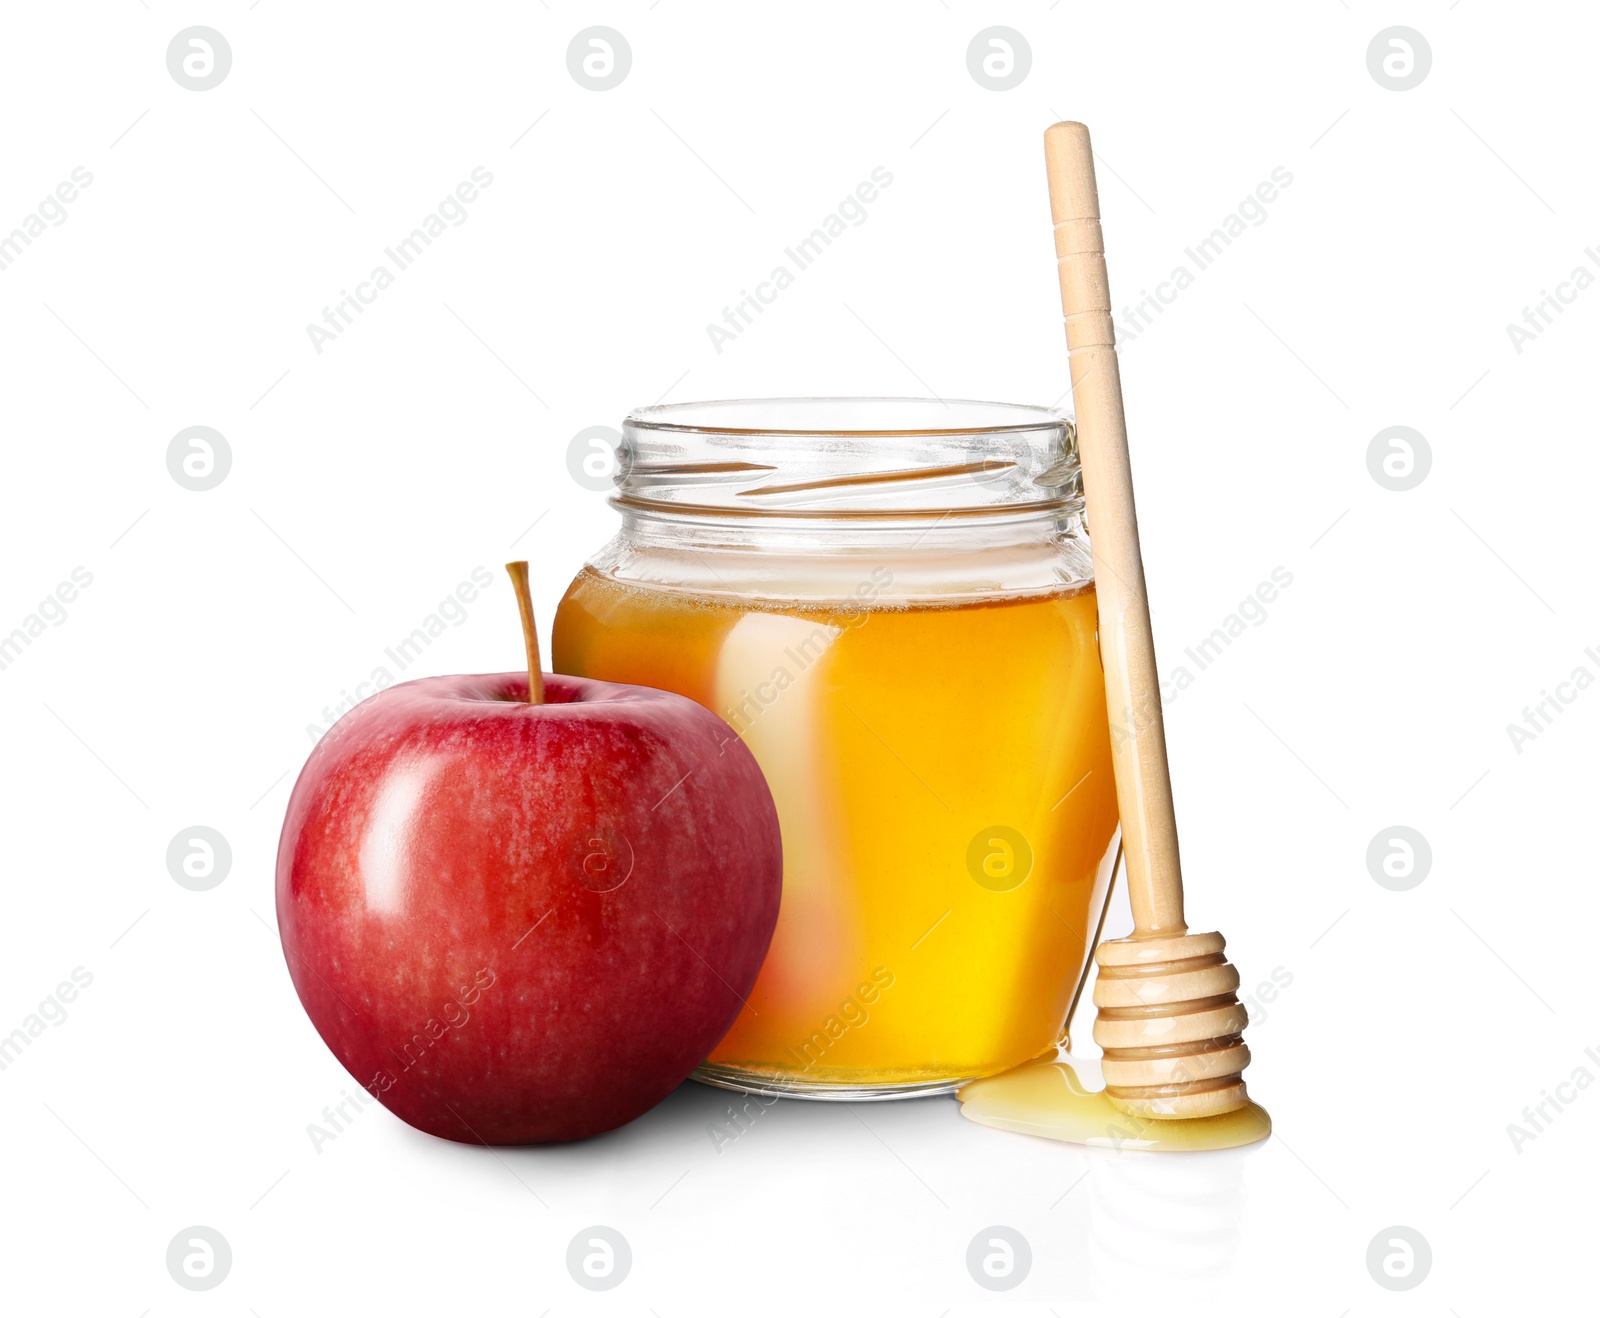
(1047, 1098)
(943, 781)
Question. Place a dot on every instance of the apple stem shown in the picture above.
(530, 637)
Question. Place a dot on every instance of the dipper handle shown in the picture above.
(1133, 693)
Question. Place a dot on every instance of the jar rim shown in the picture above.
(823, 416)
(848, 459)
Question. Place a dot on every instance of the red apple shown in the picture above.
(516, 923)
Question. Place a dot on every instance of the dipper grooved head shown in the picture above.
(1171, 1026)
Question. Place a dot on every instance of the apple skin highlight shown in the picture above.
(520, 923)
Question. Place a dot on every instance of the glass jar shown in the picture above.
(891, 601)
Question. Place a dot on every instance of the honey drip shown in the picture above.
(1046, 1098)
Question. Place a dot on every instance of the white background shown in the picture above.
(431, 437)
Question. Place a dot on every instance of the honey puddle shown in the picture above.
(1047, 1098)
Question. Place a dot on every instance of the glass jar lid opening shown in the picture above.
(848, 458)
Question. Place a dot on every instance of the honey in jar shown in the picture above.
(890, 601)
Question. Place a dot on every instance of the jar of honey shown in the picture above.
(891, 602)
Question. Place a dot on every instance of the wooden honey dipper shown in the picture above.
(1170, 1023)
